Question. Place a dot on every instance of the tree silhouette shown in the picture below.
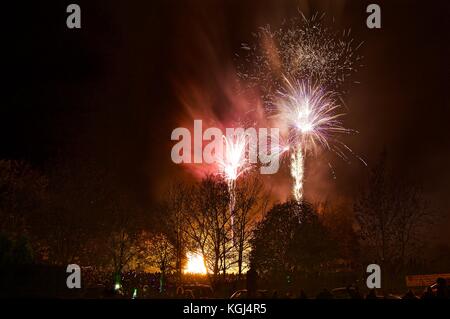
(23, 190)
(291, 240)
(207, 221)
(249, 202)
(391, 214)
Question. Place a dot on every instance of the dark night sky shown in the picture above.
(106, 92)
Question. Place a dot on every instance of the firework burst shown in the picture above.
(303, 48)
(301, 69)
(312, 120)
(310, 114)
(233, 163)
(315, 52)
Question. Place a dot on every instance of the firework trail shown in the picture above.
(297, 172)
(232, 164)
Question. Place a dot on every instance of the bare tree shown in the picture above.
(122, 248)
(158, 251)
(23, 193)
(122, 234)
(208, 223)
(161, 253)
(391, 215)
(249, 202)
(413, 216)
(339, 219)
(173, 216)
(79, 197)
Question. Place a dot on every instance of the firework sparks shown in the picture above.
(279, 147)
(315, 52)
(312, 118)
(311, 115)
(301, 49)
(301, 69)
(297, 172)
(234, 163)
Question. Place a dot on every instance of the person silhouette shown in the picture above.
(442, 289)
(252, 279)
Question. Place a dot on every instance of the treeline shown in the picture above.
(83, 216)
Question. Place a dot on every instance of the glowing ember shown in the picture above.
(195, 264)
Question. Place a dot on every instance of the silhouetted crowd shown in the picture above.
(439, 290)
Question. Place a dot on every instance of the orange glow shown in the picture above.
(195, 264)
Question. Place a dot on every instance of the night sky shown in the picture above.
(108, 92)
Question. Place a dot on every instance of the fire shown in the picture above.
(195, 264)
